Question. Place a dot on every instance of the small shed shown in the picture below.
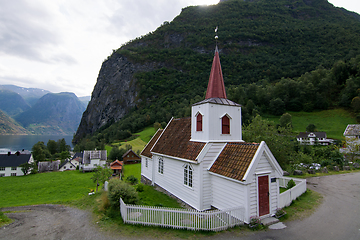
(116, 166)
(131, 157)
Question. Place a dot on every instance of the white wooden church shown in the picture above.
(203, 161)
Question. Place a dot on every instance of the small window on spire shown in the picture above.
(199, 122)
(225, 123)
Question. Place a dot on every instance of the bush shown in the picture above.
(290, 184)
(139, 187)
(132, 180)
(119, 189)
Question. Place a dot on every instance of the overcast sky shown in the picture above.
(59, 45)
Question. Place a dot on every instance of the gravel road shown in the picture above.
(50, 222)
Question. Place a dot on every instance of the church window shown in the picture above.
(146, 163)
(161, 166)
(225, 123)
(199, 122)
(188, 173)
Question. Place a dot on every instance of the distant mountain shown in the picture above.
(30, 95)
(9, 126)
(54, 113)
(85, 100)
(12, 103)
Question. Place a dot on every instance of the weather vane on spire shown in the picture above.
(216, 36)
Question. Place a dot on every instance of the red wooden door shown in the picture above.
(263, 186)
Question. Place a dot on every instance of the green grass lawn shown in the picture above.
(132, 169)
(333, 122)
(41, 188)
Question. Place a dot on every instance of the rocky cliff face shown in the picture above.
(114, 94)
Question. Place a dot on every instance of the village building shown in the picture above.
(10, 163)
(203, 161)
(68, 165)
(314, 138)
(116, 166)
(91, 159)
(131, 157)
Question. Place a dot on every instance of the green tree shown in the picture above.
(277, 106)
(62, 146)
(285, 120)
(52, 146)
(101, 175)
(40, 152)
(311, 128)
(116, 153)
(278, 139)
(355, 104)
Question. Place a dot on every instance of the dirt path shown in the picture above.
(50, 222)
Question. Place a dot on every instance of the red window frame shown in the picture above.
(199, 122)
(225, 125)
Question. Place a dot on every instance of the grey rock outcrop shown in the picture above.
(114, 94)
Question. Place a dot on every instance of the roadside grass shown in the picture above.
(44, 188)
(303, 206)
(333, 121)
(4, 220)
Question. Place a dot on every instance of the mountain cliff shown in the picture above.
(9, 126)
(58, 113)
(158, 75)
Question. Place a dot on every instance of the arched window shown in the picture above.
(199, 122)
(225, 123)
(188, 173)
(161, 166)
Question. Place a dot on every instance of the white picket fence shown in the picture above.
(291, 194)
(215, 220)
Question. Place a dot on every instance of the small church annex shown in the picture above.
(203, 161)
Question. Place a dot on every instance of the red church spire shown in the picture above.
(216, 87)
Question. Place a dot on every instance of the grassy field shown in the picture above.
(333, 122)
(41, 188)
(138, 143)
(132, 169)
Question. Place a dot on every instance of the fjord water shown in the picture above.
(19, 142)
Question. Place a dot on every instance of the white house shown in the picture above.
(203, 161)
(68, 165)
(314, 138)
(93, 158)
(10, 163)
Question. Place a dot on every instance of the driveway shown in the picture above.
(338, 217)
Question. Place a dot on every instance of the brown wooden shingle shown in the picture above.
(146, 151)
(175, 141)
(234, 160)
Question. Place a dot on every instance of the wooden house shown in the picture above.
(203, 161)
(314, 138)
(131, 157)
(116, 166)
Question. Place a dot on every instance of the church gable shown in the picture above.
(234, 160)
(175, 141)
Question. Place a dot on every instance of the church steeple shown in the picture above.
(216, 87)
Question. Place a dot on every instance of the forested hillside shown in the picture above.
(276, 55)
